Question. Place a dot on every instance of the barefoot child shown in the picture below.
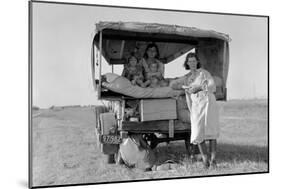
(154, 77)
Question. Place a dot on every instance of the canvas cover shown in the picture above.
(161, 28)
(121, 38)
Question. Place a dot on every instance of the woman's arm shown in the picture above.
(144, 65)
(161, 68)
(157, 74)
(208, 83)
(178, 83)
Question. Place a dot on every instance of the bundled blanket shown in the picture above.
(122, 85)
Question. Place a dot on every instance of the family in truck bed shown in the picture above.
(198, 86)
(147, 72)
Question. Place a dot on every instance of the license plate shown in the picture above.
(110, 139)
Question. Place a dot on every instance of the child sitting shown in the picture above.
(154, 82)
(134, 72)
(154, 78)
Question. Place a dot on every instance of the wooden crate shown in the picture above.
(158, 109)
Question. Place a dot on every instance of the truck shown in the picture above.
(153, 113)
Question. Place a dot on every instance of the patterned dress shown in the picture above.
(202, 105)
(130, 73)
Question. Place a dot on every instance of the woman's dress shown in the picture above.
(202, 105)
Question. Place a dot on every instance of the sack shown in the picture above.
(136, 153)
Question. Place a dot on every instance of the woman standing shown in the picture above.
(199, 87)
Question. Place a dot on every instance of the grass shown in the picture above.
(65, 149)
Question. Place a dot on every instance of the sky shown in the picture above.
(62, 36)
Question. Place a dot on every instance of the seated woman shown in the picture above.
(133, 71)
(152, 65)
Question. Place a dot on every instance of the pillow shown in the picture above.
(110, 77)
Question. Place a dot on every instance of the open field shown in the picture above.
(65, 149)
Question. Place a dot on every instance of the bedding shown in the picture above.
(119, 84)
(122, 85)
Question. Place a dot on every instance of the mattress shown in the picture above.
(122, 85)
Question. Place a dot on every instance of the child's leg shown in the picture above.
(203, 151)
(163, 83)
(140, 83)
(147, 83)
(134, 82)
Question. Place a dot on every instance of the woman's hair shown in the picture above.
(191, 55)
(130, 57)
(151, 45)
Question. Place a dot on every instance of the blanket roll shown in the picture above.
(122, 85)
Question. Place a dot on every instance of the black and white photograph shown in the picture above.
(122, 94)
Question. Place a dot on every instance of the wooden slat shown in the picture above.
(158, 109)
(154, 126)
(117, 61)
(122, 49)
(152, 37)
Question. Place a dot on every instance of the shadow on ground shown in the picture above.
(225, 153)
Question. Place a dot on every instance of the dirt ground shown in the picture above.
(64, 149)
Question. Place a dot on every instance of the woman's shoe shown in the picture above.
(206, 163)
(213, 164)
(192, 159)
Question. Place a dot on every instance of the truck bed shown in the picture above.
(154, 126)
